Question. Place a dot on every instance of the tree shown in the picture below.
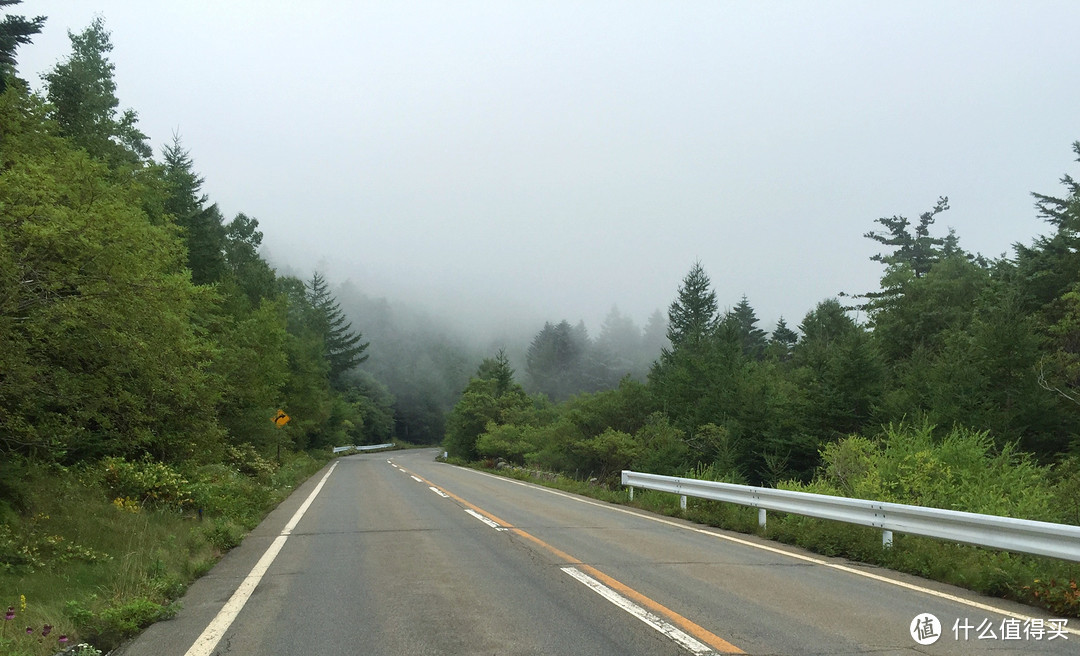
(745, 322)
(653, 340)
(82, 93)
(99, 353)
(342, 347)
(14, 32)
(245, 268)
(782, 341)
(1049, 268)
(203, 230)
(487, 401)
(693, 315)
(918, 251)
(555, 359)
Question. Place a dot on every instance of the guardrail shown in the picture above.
(1020, 535)
(369, 447)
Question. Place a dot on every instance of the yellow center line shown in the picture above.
(696, 630)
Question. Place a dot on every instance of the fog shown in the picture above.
(506, 164)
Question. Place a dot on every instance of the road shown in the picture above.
(394, 553)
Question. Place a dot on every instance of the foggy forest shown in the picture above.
(142, 325)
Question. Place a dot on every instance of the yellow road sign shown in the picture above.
(281, 418)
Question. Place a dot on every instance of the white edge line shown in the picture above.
(206, 642)
(763, 547)
(661, 625)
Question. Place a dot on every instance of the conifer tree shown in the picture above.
(693, 315)
(15, 31)
(745, 323)
(203, 229)
(342, 347)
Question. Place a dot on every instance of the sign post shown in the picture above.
(280, 419)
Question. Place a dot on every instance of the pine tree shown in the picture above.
(693, 315)
(498, 369)
(15, 31)
(553, 361)
(919, 250)
(745, 323)
(203, 229)
(342, 347)
(782, 341)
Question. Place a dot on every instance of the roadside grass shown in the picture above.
(1047, 583)
(97, 566)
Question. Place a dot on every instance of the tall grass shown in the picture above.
(97, 558)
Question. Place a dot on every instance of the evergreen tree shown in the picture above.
(654, 340)
(15, 31)
(919, 250)
(203, 229)
(693, 315)
(554, 360)
(82, 92)
(342, 347)
(499, 371)
(745, 321)
(782, 341)
(1049, 268)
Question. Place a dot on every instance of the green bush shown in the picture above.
(153, 484)
(247, 461)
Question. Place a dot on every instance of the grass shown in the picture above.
(98, 569)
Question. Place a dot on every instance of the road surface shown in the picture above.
(394, 553)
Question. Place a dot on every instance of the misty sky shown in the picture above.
(551, 159)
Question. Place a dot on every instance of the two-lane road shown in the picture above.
(399, 554)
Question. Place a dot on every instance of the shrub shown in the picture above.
(152, 484)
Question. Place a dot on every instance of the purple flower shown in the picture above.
(46, 630)
(10, 615)
(63, 640)
(29, 630)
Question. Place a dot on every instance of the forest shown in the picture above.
(952, 340)
(147, 343)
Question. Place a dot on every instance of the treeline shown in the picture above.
(563, 360)
(135, 319)
(952, 340)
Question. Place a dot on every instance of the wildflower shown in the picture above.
(22, 603)
(10, 615)
(46, 630)
(29, 630)
(63, 640)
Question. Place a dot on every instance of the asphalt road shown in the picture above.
(399, 554)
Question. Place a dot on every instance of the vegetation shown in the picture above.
(145, 347)
(960, 391)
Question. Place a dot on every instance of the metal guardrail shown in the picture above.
(369, 447)
(1020, 535)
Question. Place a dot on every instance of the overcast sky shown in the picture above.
(552, 159)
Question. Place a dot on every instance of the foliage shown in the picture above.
(342, 347)
(14, 32)
(152, 484)
(693, 315)
(82, 94)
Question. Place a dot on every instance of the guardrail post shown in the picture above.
(761, 518)
(631, 492)
(682, 501)
(886, 539)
